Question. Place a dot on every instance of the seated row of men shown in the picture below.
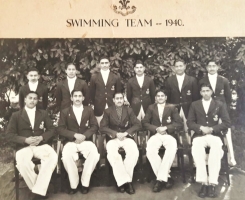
(32, 129)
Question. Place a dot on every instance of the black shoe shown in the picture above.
(158, 186)
(37, 197)
(211, 191)
(121, 188)
(84, 190)
(129, 188)
(203, 191)
(72, 191)
(169, 184)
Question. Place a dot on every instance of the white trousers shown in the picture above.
(161, 167)
(141, 114)
(70, 156)
(214, 159)
(37, 183)
(122, 169)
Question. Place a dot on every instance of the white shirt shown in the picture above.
(31, 114)
(33, 86)
(213, 80)
(71, 83)
(78, 113)
(180, 79)
(160, 110)
(105, 75)
(206, 104)
(140, 80)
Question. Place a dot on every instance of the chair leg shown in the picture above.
(227, 170)
(181, 155)
(191, 165)
(16, 181)
(141, 165)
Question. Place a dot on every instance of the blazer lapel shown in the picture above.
(135, 82)
(157, 112)
(109, 78)
(114, 115)
(38, 119)
(200, 105)
(218, 84)
(65, 84)
(101, 79)
(72, 115)
(25, 116)
(211, 106)
(175, 82)
(186, 80)
(124, 113)
(85, 113)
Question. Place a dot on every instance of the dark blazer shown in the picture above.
(189, 92)
(111, 125)
(42, 91)
(68, 125)
(170, 119)
(137, 96)
(20, 127)
(101, 94)
(197, 117)
(63, 95)
(222, 90)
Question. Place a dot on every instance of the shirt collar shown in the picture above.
(30, 83)
(140, 76)
(207, 101)
(105, 71)
(213, 75)
(30, 109)
(161, 105)
(71, 79)
(77, 108)
(180, 76)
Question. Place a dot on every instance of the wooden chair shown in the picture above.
(224, 171)
(180, 157)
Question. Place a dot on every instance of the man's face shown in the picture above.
(212, 68)
(31, 100)
(104, 64)
(33, 76)
(71, 71)
(160, 98)
(179, 68)
(139, 69)
(206, 93)
(77, 98)
(118, 100)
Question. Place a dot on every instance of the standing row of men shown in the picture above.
(77, 123)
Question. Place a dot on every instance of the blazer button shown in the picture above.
(206, 116)
(181, 97)
(207, 122)
(105, 98)
(214, 96)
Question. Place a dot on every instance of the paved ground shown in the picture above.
(180, 191)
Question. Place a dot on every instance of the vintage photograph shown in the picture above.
(122, 118)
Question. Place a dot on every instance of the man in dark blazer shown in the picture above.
(182, 90)
(162, 120)
(34, 85)
(140, 91)
(64, 88)
(203, 118)
(77, 124)
(31, 130)
(221, 91)
(119, 123)
(103, 86)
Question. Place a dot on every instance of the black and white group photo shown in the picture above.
(122, 118)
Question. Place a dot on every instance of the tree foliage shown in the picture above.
(51, 55)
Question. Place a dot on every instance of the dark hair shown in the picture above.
(205, 85)
(117, 93)
(70, 64)
(32, 92)
(139, 62)
(32, 70)
(104, 57)
(164, 91)
(179, 60)
(73, 91)
(212, 60)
